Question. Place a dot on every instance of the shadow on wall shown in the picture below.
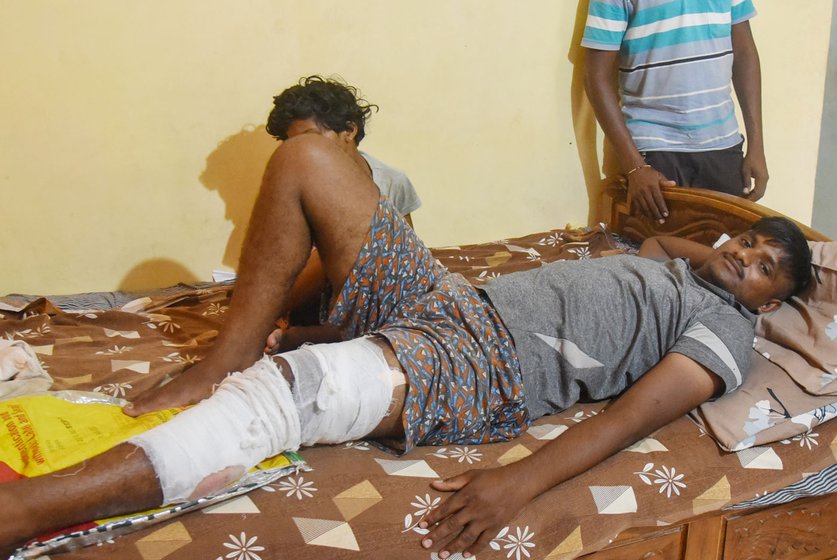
(156, 273)
(235, 170)
(584, 125)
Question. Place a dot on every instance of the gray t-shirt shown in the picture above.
(587, 330)
(395, 185)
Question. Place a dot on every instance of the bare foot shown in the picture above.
(190, 387)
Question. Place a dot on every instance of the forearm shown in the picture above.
(746, 78)
(644, 183)
(651, 248)
(602, 91)
(670, 247)
(294, 337)
(671, 389)
(306, 292)
(484, 499)
(576, 451)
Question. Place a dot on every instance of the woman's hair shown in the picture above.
(331, 103)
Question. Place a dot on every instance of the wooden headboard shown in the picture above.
(698, 214)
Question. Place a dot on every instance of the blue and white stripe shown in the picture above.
(675, 68)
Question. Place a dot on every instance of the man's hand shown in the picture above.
(644, 191)
(754, 174)
(468, 520)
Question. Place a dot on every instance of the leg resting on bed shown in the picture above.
(340, 392)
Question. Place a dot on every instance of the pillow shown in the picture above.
(769, 406)
(792, 385)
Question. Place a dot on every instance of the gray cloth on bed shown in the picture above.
(587, 330)
(103, 301)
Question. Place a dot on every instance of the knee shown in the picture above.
(304, 154)
(301, 164)
(342, 390)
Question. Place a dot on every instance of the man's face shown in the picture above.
(747, 266)
(345, 139)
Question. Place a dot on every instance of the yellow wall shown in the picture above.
(132, 138)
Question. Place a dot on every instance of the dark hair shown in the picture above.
(796, 258)
(330, 102)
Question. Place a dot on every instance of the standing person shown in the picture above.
(673, 119)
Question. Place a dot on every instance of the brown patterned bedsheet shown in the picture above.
(358, 501)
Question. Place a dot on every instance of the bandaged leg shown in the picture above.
(251, 416)
(341, 392)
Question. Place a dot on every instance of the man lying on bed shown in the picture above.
(443, 365)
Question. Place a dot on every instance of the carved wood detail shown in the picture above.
(805, 529)
(696, 214)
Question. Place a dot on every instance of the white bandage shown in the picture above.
(251, 416)
(341, 390)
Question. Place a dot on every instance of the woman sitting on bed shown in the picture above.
(337, 111)
(429, 359)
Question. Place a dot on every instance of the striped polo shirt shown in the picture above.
(675, 68)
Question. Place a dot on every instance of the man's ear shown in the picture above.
(769, 306)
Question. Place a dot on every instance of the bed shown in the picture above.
(674, 495)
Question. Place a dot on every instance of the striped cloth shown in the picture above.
(817, 484)
(675, 68)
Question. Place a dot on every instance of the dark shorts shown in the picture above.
(718, 170)
(462, 369)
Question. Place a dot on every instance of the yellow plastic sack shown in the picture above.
(43, 433)
(47, 432)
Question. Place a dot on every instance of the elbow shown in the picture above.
(589, 88)
(652, 249)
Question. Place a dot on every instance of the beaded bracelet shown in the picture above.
(637, 168)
